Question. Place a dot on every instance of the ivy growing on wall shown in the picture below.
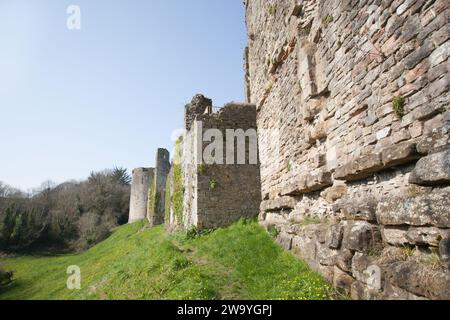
(167, 201)
(153, 198)
(175, 192)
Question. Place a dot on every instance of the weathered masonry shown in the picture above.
(148, 191)
(142, 178)
(353, 121)
(157, 191)
(210, 195)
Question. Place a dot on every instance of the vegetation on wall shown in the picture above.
(326, 20)
(398, 105)
(167, 201)
(178, 184)
(154, 199)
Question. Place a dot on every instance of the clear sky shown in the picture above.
(72, 101)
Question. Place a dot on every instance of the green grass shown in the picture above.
(239, 262)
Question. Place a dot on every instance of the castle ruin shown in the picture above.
(350, 101)
(220, 192)
(140, 186)
(148, 191)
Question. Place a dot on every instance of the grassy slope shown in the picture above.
(239, 262)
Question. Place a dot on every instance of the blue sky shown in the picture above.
(72, 101)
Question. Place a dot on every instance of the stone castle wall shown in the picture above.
(142, 178)
(157, 191)
(353, 122)
(148, 191)
(216, 195)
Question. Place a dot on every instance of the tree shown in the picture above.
(120, 175)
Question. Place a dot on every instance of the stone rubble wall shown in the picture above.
(353, 124)
(217, 195)
(142, 178)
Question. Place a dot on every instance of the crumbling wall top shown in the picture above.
(198, 106)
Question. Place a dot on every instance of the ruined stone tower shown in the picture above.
(157, 192)
(353, 122)
(142, 178)
(215, 194)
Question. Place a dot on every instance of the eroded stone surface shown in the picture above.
(431, 209)
(433, 169)
(278, 204)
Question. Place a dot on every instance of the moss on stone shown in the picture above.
(177, 197)
(201, 169)
(212, 184)
(327, 20)
(178, 193)
(398, 105)
(153, 198)
(167, 204)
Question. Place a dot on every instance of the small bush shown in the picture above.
(201, 169)
(6, 277)
(213, 184)
(327, 20)
(408, 250)
(398, 105)
(273, 231)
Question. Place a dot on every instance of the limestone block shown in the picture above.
(334, 236)
(359, 168)
(392, 292)
(361, 236)
(342, 280)
(395, 236)
(308, 183)
(433, 142)
(384, 133)
(306, 71)
(399, 154)
(360, 263)
(419, 279)
(273, 218)
(305, 247)
(335, 192)
(344, 260)
(358, 208)
(326, 256)
(278, 204)
(427, 236)
(423, 210)
(433, 169)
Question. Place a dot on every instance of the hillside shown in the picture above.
(239, 262)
